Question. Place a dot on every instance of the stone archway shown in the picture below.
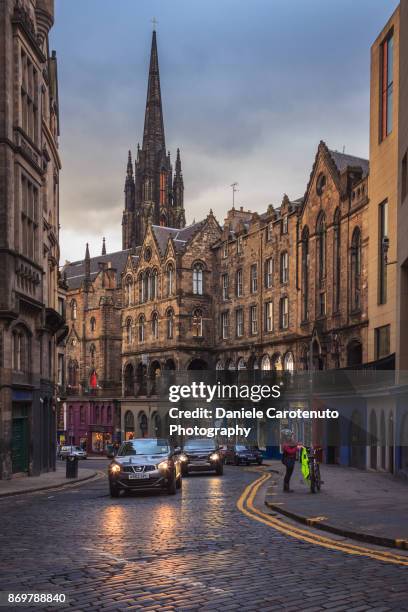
(357, 440)
(128, 379)
(354, 353)
(198, 364)
(373, 440)
(129, 425)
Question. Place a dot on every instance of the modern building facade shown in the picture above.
(31, 316)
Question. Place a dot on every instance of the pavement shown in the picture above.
(192, 551)
(50, 480)
(368, 506)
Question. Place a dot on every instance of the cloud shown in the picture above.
(249, 90)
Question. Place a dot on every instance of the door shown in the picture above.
(19, 445)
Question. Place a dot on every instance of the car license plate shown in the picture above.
(142, 475)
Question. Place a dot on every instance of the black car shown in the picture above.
(201, 455)
(243, 454)
(145, 464)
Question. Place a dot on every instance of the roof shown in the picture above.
(344, 161)
(75, 271)
(180, 236)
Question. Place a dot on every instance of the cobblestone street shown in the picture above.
(192, 551)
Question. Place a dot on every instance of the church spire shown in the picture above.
(153, 135)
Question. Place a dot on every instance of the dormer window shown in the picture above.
(284, 225)
(269, 231)
(225, 250)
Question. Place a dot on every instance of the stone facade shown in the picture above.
(31, 311)
(282, 290)
(310, 261)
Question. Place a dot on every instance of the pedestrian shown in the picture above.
(288, 459)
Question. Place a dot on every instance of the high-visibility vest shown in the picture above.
(304, 463)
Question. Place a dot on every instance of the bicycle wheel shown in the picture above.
(312, 479)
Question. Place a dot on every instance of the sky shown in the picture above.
(249, 89)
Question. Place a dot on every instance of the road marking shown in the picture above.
(246, 505)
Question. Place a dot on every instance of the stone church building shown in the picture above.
(281, 290)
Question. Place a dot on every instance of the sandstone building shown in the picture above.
(289, 289)
(31, 314)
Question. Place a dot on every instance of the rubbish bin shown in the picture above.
(72, 467)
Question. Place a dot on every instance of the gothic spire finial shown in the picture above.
(130, 165)
(87, 264)
(103, 246)
(178, 162)
(153, 135)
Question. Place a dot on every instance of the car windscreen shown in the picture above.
(202, 443)
(144, 447)
(241, 447)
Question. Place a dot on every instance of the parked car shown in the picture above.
(242, 454)
(145, 464)
(201, 455)
(73, 451)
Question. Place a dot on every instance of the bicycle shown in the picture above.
(314, 470)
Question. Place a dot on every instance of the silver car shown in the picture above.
(145, 464)
(72, 451)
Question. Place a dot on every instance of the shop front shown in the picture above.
(101, 436)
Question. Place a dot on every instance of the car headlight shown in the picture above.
(163, 465)
(214, 457)
(183, 458)
(115, 468)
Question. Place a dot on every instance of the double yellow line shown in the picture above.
(246, 505)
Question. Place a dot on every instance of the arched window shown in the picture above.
(142, 293)
(74, 310)
(128, 380)
(198, 279)
(141, 327)
(20, 350)
(92, 352)
(93, 324)
(197, 323)
(148, 285)
(128, 291)
(219, 365)
(336, 261)
(73, 370)
(356, 269)
(289, 362)
(170, 323)
(155, 326)
(321, 247)
(153, 285)
(170, 279)
(305, 274)
(129, 332)
(241, 365)
(265, 363)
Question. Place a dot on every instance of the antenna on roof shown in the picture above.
(234, 190)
